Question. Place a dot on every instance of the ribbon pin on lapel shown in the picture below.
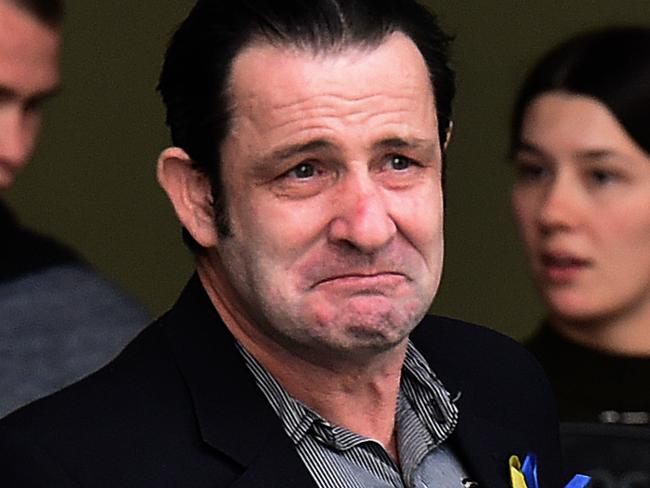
(525, 475)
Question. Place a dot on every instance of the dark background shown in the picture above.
(92, 181)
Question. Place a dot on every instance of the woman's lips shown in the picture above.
(562, 268)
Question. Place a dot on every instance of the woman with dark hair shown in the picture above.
(581, 199)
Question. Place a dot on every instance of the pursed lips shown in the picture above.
(363, 278)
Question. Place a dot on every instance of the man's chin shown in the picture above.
(354, 335)
(357, 347)
(361, 339)
(373, 316)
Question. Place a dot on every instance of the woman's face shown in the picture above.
(581, 199)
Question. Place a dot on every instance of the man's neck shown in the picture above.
(359, 395)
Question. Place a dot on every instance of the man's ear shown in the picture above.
(448, 136)
(190, 192)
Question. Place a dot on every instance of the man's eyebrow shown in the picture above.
(409, 143)
(293, 150)
(7, 93)
(43, 96)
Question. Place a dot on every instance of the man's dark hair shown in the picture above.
(49, 12)
(611, 65)
(194, 82)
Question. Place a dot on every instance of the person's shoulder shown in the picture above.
(70, 295)
(102, 299)
(40, 277)
(132, 423)
(66, 322)
(125, 385)
(139, 395)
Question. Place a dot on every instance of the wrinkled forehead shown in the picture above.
(352, 99)
(264, 63)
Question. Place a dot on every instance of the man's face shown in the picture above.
(29, 55)
(332, 177)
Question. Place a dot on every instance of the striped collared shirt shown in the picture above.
(339, 458)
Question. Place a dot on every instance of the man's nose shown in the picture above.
(16, 137)
(362, 217)
(560, 205)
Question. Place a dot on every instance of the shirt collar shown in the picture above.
(425, 393)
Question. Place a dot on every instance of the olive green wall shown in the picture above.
(92, 181)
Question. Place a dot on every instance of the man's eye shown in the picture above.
(400, 163)
(35, 104)
(302, 171)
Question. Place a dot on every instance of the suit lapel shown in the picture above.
(484, 449)
(233, 415)
(485, 445)
(482, 443)
(277, 465)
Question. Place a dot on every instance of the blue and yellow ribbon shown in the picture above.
(525, 475)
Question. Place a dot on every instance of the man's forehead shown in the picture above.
(346, 101)
(263, 66)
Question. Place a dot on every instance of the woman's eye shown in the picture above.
(400, 163)
(303, 171)
(602, 177)
(530, 171)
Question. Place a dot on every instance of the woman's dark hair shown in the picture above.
(611, 65)
(196, 72)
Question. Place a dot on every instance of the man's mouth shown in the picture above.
(362, 280)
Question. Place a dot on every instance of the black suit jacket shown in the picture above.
(178, 408)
